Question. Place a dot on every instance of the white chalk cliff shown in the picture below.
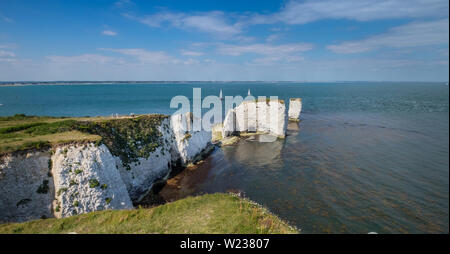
(26, 186)
(295, 108)
(140, 176)
(83, 177)
(256, 116)
(189, 143)
(86, 180)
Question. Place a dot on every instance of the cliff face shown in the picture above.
(26, 186)
(256, 116)
(86, 180)
(189, 143)
(84, 177)
(140, 173)
(295, 108)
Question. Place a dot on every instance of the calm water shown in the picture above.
(365, 157)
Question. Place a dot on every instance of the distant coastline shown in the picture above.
(74, 82)
(27, 83)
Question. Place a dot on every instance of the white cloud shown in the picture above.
(109, 33)
(272, 37)
(210, 61)
(296, 12)
(409, 35)
(190, 61)
(85, 58)
(264, 49)
(270, 53)
(7, 56)
(6, 19)
(214, 22)
(145, 56)
(122, 3)
(4, 53)
(310, 70)
(8, 46)
(191, 53)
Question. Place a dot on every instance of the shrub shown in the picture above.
(19, 127)
(23, 202)
(34, 144)
(43, 188)
(93, 183)
(61, 191)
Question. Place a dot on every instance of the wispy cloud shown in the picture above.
(109, 33)
(6, 19)
(302, 12)
(410, 35)
(270, 53)
(122, 3)
(4, 53)
(8, 46)
(214, 22)
(145, 56)
(272, 37)
(85, 58)
(191, 53)
(264, 49)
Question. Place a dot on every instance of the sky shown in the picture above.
(224, 40)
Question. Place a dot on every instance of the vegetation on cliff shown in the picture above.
(211, 213)
(126, 137)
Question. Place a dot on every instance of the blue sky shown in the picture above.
(317, 40)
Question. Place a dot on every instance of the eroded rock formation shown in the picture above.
(268, 116)
(295, 108)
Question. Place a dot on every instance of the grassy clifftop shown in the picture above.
(211, 213)
(21, 132)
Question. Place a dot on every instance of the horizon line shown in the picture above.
(204, 81)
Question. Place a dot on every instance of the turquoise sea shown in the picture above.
(365, 156)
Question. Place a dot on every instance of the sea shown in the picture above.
(365, 157)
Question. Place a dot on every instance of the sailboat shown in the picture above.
(249, 92)
(220, 95)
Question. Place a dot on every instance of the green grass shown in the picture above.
(211, 213)
(123, 136)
